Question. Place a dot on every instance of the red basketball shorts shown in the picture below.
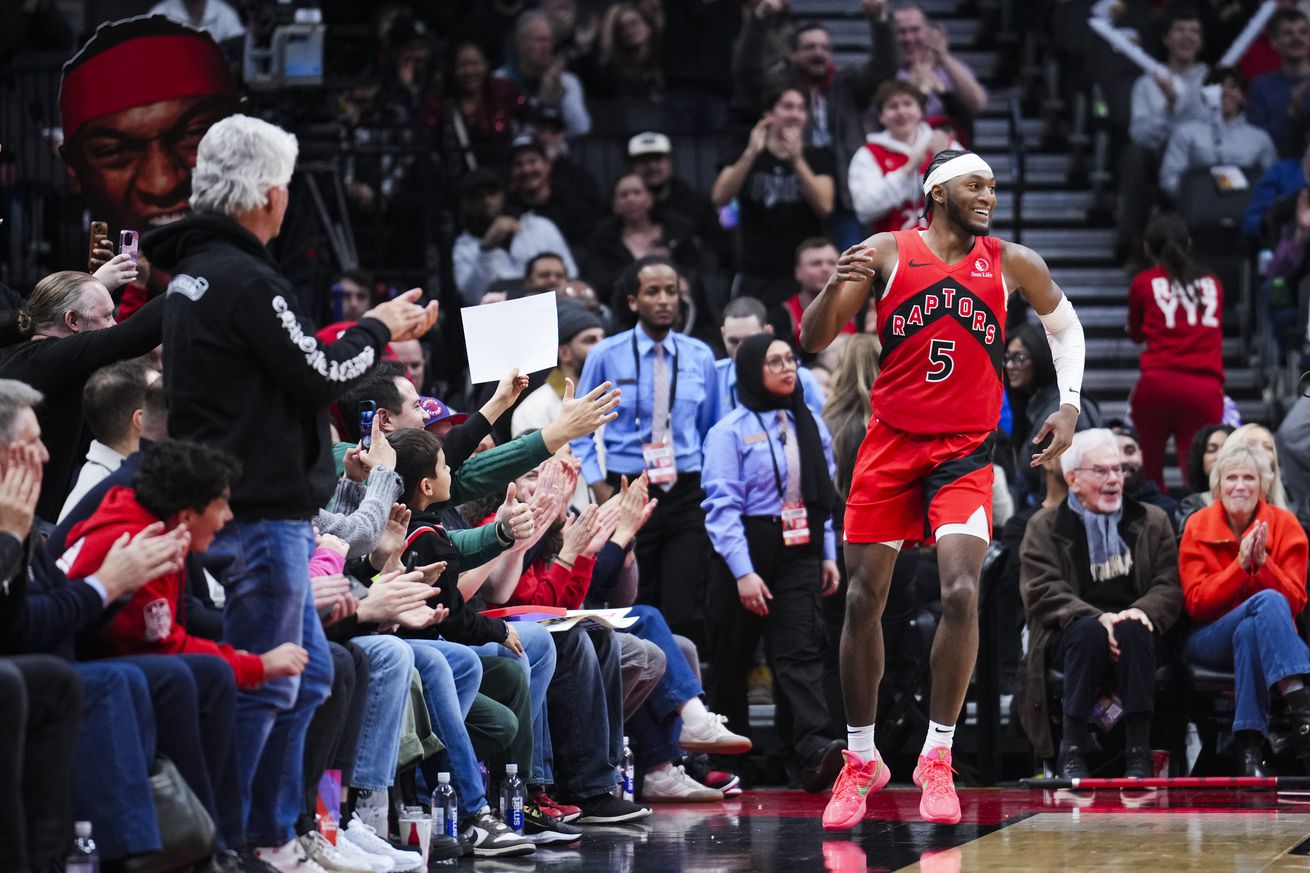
(907, 486)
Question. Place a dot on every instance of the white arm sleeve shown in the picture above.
(1065, 334)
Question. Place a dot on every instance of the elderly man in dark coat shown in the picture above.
(1099, 580)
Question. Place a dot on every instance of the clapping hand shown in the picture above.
(515, 515)
(386, 555)
(20, 486)
(404, 316)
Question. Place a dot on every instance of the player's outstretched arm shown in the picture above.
(1028, 274)
(858, 272)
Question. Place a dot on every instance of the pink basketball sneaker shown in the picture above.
(856, 781)
(939, 803)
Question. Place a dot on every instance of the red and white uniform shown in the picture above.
(925, 462)
(1181, 388)
(886, 190)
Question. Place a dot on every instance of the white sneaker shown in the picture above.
(327, 856)
(710, 734)
(290, 858)
(364, 837)
(371, 809)
(672, 784)
(377, 863)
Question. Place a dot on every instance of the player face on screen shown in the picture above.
(969, 203)
(134, 166)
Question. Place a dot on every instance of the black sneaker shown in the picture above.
(492, 838)
(1072, 763)
(444, 847)
(1138, 763)
(249, 862)
(608, 809)
(822, 767)
(544, 830)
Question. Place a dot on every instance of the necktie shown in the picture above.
(660, 421)
(792, 490)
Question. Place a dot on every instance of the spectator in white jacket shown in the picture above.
(539, 70)
(886, 176)
(495, 245)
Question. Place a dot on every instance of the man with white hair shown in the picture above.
(1099, 580)
(245, 373)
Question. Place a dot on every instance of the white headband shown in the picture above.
(955, 168)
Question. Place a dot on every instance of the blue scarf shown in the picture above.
(1109, 554)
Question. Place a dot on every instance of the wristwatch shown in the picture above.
(503, 534)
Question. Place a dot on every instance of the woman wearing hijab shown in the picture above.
(767, 476)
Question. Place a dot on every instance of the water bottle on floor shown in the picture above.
(629, 784)
(83, 858)
(511, 799)
(445, 807)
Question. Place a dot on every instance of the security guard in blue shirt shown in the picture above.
(670, 396)
(744, 317)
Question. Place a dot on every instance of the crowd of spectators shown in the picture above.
(210, 563)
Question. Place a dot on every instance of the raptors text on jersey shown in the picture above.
(942, 328)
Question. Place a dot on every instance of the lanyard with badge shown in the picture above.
(795, 517)
(658, 457)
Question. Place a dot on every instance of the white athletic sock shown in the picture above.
(859, 740)
(939, 736)
(694, 710)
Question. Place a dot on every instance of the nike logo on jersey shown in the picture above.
(920, 264)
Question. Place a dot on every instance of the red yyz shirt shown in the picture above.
(943, 340)
(1182, 326)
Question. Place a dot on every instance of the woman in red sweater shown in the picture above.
(1242, 565)
(1176, 309)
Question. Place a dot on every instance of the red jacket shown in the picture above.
(1213, 581)
(1182, 327)
(555, 585)
(148, 623)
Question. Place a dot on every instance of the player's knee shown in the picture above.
(959, 597)
(861, 600)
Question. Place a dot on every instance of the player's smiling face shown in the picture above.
(970, 201)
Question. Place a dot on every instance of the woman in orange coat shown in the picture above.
(1243, 572)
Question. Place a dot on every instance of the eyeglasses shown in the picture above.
(778, 364)
(1102, 473)
(1019, 358)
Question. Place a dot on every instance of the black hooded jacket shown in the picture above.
(243, 370)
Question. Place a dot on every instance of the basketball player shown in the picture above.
(924, 469)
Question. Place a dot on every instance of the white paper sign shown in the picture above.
(521, 333)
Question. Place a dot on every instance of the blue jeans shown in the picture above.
(264, 569)
(390, 665)
(679, 684)
(538, 662)
(115, 749)
(451, 674)
(586, 711)
(194, 702)
(1258, 642)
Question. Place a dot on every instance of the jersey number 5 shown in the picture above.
(939, 356)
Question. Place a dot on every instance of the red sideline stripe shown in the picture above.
(1121, 782)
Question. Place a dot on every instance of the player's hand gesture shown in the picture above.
(1060, 425)
(855, 264)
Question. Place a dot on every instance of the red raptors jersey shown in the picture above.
(943, 339)
(908, 213)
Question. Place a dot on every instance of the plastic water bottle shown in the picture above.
(629, 783)
(511, 799)
(445, 807)
(83, 857)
